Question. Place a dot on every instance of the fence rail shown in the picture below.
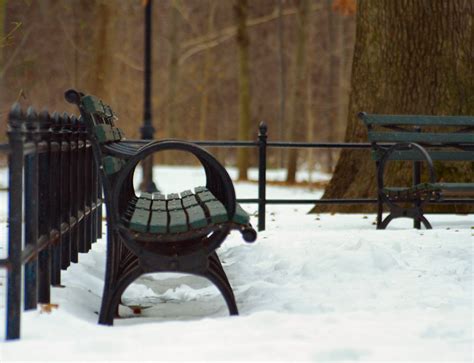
(262, 144)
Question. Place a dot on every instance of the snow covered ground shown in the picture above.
(313, 287)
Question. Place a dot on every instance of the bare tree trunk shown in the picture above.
(282, 84)
(173, 70)
(3, 9)
(410, 58)
(297, 99)
(207, 72)
(102, 50)
(310, 127)
(335, 69)
(241, 9)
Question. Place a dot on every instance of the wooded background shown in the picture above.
(299, 64)
(222, 66)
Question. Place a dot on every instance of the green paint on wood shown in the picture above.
(159, 222)
(178, 221)
(217, 211)
(143, 203)
(139, 220)
(92, 104)
(189, 201)
(428, 137)
(197, 217)
(112, 165)
(418, 120)
(240, 216)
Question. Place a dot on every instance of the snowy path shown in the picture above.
(319, 288)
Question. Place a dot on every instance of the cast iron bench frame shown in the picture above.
(405, 138)
(135, 245)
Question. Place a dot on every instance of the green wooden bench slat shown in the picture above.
(240, 216)
(186, 193)
(418, 120)
(158, 222)
(206, 196)
(139, 220)
(104, 133)
(217, 211)
(92, 104)
(178, 221)
(116, 133)
(112, 164)
(159, 205)
(173, 196)
(159, 196)
(197, 217)
(174, 204)
(200, 189)
(459, 187)
(143, 203)
(189, 201)
(455, 155)
(429, 137)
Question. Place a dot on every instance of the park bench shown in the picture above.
(420, 139)
(153, 232)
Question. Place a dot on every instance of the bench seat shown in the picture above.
(180, 213)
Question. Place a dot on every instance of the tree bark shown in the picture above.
(296, 106)
(208, 61)
(241, 9)
(411, 57)
(102, 55)
(173, 70)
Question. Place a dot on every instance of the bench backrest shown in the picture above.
(444, 137)
(100, 119)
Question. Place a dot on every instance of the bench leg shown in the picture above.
(385, 222)
(416, 214)
(113, 293)
(224, 287)
(379, 213)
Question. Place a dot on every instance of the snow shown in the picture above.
(313, 287)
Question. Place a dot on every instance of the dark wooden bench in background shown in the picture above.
(151, 232)
(419, 139)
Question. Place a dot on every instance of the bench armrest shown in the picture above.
(404, 146)
(218, 180)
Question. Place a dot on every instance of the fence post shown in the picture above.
(65, 175)
(45, 223)
(55, 189)
(15, 211)
(31, 210)
(417, 180)
(262, 174)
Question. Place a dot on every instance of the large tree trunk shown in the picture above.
(241, 9)
(411, 57)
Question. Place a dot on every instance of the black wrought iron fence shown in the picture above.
(262, 144)
(54, 205)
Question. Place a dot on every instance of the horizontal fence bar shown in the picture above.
(340, 201)
(4, 263)
(326, 145)
(227, 143)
